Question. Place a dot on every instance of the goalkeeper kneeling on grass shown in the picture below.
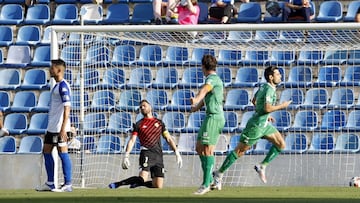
(149, 131)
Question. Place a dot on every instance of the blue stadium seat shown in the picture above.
(103, 100)
(255, 58)
(244, 119)
(295, 143)
(18, 56)
(347, 143)
(316, 98)
(335, 57)
(91, 78)
(204, 13)
(6, 35)
(150, 55)
(342, 98)
(249, 13)
(282, 58)
(66, 1)
(136, 149)
(266, 36)
(74, 119)
(351, 76)
(95, 123)
(328, 76)
(16, 123)
(123, 55)
(119, 122)
(43, 102)
(88, 141)
(117, 13)
(7, 145)
(197, 54)
(66, 14)
(354, 57)
(299, 77)
(351, 12)
(139, 78)
(108, 144)
(282, 119)
(1, 57)
(240, 36)
(353, 122)
(193, 77)
(187, 143)
(322, 143)
(174, 121)
(91, 13)
(310, 57)
(41, 57)
(194, 122)
(11, 14)
(31, 145)
(237, 99)
(231, 122)
(175, 56)
(291, 36)
(332, 120)
(10, 79)
(180, 100)
(142, 13)
(4, 101)
(129, 100)
(98, 55)
(24, 101)
(75, 100)
(246, 77)
(74, 38)
(158, 98)
(166, 78)
(295, 95)
(225, 74)
(35, 79)
(71, 55)
(37, 14)
(262, 147)
(305, 121)
(38, 124)
(113, 78)
(330, 11)
(233, 142)
(229, 57)
(13, 1)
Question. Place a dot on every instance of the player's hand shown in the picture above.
(126, 162)
(286, 103)
(178, 158)
(192, 101)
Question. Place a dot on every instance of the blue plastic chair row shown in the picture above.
(28, 145)
(34, 79)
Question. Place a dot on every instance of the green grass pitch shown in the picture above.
(180, 195)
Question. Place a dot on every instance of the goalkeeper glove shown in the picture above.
(126, 162)
(178, 158)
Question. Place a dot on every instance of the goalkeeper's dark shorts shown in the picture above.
(54, 138)
(153, 162)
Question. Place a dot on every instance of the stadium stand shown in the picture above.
(180, 101)
(255, 58)
(194, 122)
(41, 57)
(351, 76)
(4, 101)
(66, 14)
(108, 144)
(353, 122)
(175, 56)
(354, 57)
(342, 98)
(75, 100)
(31, 145)
(249, 13)
(142, 13)
(308, 58)
(11, 14)
(295, 143)
(316, 98)
(158, 99)
(351, 11)
(117, 14)
(166, 78)
(328, 76)
(295, 95)
(332, 121)
(282, 120)
(330, 11)
(43, 102)
(139, 78)
(246, 77)
(102, 100)
(174, 121)
(305, 121)
(113, 78)
(193, 77)
(282, 58)
(229, 57)
(322, 143)
(186, 143)
(150, 55)
(18, 56)
(119, 122)
(231, 122)
(237, 99)
(225, 73)
(196, 56)
(244, 119)
(35, 79)
(123, 55)
(129, 100)
(299, 77)
(347, 143)
(95, 122)
(262, 147)
(37, 14)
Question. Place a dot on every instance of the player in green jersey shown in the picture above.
(211, 95)
(258, 127)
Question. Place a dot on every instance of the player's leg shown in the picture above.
(66, 166)
(157, 11)
(134, 181)
(49, 140)
(157, 176)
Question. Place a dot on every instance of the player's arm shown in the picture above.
(271, 108)
(130, 144)
(172, 144)
(197, 101)
(66, 116)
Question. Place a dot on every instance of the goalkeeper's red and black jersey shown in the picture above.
(149, 131)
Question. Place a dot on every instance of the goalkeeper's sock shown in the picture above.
(66, 166)
(149, 184)
(273, 152)
(209, 165)
(49, 166)
(134, 180)
(230, 159)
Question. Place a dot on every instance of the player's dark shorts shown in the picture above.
(54, 138)
(153, 162)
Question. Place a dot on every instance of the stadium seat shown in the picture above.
(6, 36)
(231, 122)
(158, 98)
(35, 79)
(196, 56)
(137, 146)
(351, 76)
(295, 143)
(142, 13)
(328, 76)
(351, 12)
(166, 78)
(347, 143)
(91, 78)
(129, 100)
(24, 101)
(180, 100)
(103, 100)
(305, 121)
(7, 145)
(150, 55)
(225, 74)
(119, 122)
(204, 13)
(187, 143)
(193, 77)
(291, 36)
(75, 38)
(66, 1)
(71, 55)
(1, 57)
(237, 99)
(229, 57)
(11, 14)
(268, 18)
(98, 55)
(174, 121)
(38, 124)
(332, 120)
(91, 13)
(16, 123)
(31, 145)
(353, 122)
(263, 36)
(13, 1)
(113, 78)
(74, 119)
(244, 119)
(75, 100)
(123, 55)
(342, 98)
(95, 122)
(249, 13)
(37, 14)
(66, 14)
(43, 102)
(18, 56)
(299, 77)
(354, 57)
(41, 57)
(282, 58)
(246, 77)
(10, 79)
(88, 141)
(109, 144)
(139, 78)
(233, 142)
(282, 119)
(117, 13)
(255, 58)
(316, 98)
(309, 58)
(295, 95)
(239, 36)
(194, 122)
(335, 57)
(330, 11)
(175, 56)
(4, 101)
(262, 147)
(322, 143)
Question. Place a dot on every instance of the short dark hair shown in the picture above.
(209, 62)
(58, 62)
(146, 101)
(269, 71)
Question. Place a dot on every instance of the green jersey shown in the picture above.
(214, 99)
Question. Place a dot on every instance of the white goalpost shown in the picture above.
(111, 68)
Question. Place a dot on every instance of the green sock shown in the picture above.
(209, 165)
(203, 165)
(230, 159)
(273, 152)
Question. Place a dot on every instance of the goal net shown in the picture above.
(112, 68)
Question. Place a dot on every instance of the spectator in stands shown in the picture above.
(297, 9)
(357, 16)
(3, 130)
(160, 9)
(74, 144)
(188, 12)
(222, 10)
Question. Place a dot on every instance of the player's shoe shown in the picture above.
(113, 186)
(64, 188)
(45, 187)
(217, 184)
(261, 172)
(202, 190)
